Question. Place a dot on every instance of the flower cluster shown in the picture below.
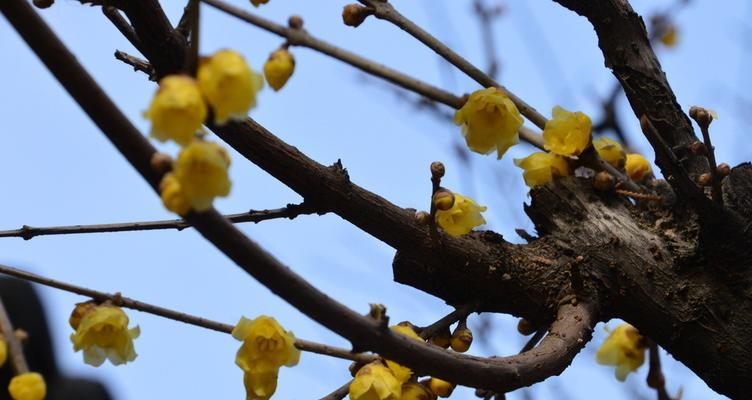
(102, 333)
(490, 121)
(624, 348)
(266, 348)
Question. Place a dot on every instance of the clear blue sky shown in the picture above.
(58, 169)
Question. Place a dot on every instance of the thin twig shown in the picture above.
(454, 316)
(14, 345)
(716, 193)
(192, 62)
(655, 377)
(126, 302)
(290, 212)
(137, 64)
(113, 14)
(339, 393)
(486, 16)
(301, 38)
(384, 10)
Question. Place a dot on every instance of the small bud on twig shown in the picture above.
(603, 181)
(422, 218)
(704, 179)
(443, 199)
(723, 169)
(699, 148)
(437, 169)
(295, 22)
(161, 163)
(525, 327)
(42, 4)
(354, 14)
(462, 338)
(702, 116)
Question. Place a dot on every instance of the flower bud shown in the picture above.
(702, 116)
(704, 179)
(462, 338)
(723, 169)
(354, 14)
(525, 327)
(442, 388)
(42, 4)
(295, 22)
(699, 148)
(443, 199)
(603, 181)
(161, 163)
(442, 339)
(437, 169)
(416, 391)
(422, 218)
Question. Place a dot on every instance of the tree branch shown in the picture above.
(291, 212)
(120, 301)
(137, 64)
(569, 332)
(15, 350)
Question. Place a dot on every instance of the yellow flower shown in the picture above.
(624, 348)
(671, 36)
(229, 85)
(201, 172)
(266, 347)
(489, 121)
(637, 167)
(416, 391)
(27, 386)
(462, 217)
(567, 133)
(541, 168)
(177, 110)
(3, 352)
(441, 387)
(374, 381)
(103, 333)
(402, 373)
(256, 3)
(172, 195)
(279, 68)
(610, 151)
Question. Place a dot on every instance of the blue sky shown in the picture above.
(60, 170)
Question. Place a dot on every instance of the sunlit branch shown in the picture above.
(290, 212)
(120, 301)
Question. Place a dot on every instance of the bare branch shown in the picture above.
(339, 393)
(113, 14)
(137, 64)
(15, 350)
(291, 212)
(120, 301)
(655, 377)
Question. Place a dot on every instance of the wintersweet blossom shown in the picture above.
(610, 151)
(229, 85)
(490, 121)
(177, 110)
(624, 348)
(541, 168)
(401, 372)
(416, 391)
(27, 386)
(637, 167)
(567, 133)
(102, 333)
(266, 347)
(279, 68)
(172, 195)
(462, 217)
(441, 387)
(375, 381)
(201, 171)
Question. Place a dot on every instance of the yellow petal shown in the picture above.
(464, 215)
(567, 133)
(177, 110)
(490, 121)
(279, 68)
(27, 386)
(229, 85)
(637, 167)
(541, 168)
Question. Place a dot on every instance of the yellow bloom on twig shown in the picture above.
(278, 68)
(541, 168)
(610, 151)
(27, 386)
(624, 348)
(441, 387)
(375, 381)
(401, 372)
(177, 110)
(229, 85)
(102, 333)
(567, 133)
(489, 120)
(637, 167)
(266, 347)
(462, 217)
(201, 172)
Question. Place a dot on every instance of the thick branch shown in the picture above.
(291, 212)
